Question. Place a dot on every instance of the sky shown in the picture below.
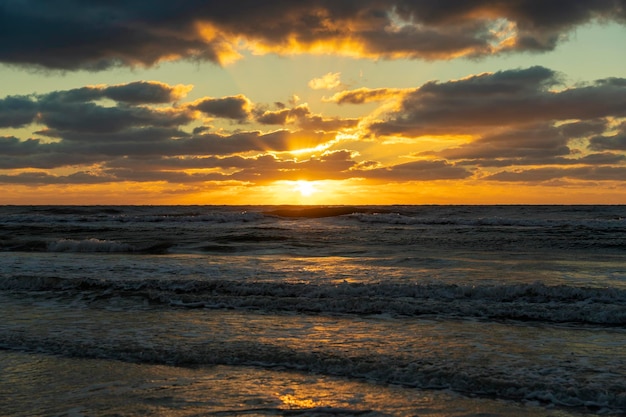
(316, 102)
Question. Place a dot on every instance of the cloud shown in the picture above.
(284, 115)
(530, 141)
(76, 110)
(143, 92)
(503, 98)
(326, 82)
(17, 111)
(99, 35)
(364, 95)
(615, 142)
(522, 125)
(146, 122)
(419, 171)
(588, 173)
(235, 107)
(86, 148)
(252, 141)
(134, 93)
(301, 116)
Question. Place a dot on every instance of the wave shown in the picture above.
(587, 389)
(319, 212)
(127, 214)
(88, 245)
(518, 302)
(91, 245)
(399, 218)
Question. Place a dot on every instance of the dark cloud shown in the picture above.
(302, 117)
(532, 141)
(536, 144)
(253, 141)
(603, 158)
(77, 129)
(587, 173)
(364, 95)
(17, 111)
(84, 148)
(320, 123)
(93, 118)
(95, 35)
(615, 142)
(76, 110)
(266, 169)
(424, 170)
(235, 107)
(141, 92)
(520, 125)
(43, 178)
(503, 98)
(283, 116)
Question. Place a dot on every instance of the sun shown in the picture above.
(305, 188)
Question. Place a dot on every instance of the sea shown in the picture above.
(425, 311)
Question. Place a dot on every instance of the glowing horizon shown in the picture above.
(369, 104)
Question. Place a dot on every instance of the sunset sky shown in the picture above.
(313, 102)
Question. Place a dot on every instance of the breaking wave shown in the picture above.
(519, 302)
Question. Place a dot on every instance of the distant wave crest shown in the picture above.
(88, 245)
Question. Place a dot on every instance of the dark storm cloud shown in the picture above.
(234, 107)
(503, 98)
(95, 35)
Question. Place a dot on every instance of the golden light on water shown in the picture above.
(294, 402)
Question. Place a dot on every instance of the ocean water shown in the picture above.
(318, 311)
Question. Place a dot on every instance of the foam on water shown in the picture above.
(88, 245)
